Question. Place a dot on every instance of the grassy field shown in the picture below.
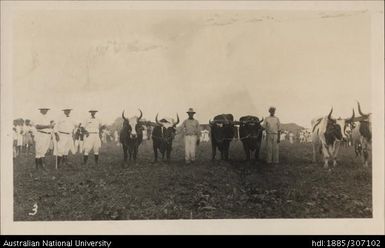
(295, 188)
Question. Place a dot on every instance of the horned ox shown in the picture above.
(327, 134)
(131, 136)
(222, 133)
(362, 134)
(163, 135)
(250, 133)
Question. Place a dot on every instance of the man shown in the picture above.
(65, 143)
(92, 141)
(14, 136)
(116, 137)
(205, 135)
(272, 127)
(192, 136)
(79, 137)
(28, 137)
(19, 136)
(291, 137)
(44, 128)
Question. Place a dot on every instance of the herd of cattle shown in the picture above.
(326, 134)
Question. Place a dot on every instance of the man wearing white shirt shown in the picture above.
(19, 137)
(44, 128)
(272, 127)
(28, 137)
(92, 139)
(65, 128)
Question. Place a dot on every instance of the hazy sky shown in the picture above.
(166, 61)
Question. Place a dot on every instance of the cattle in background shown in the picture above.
(163, 135)
(131, 135)
(250, 133)
(362, 135)
(222, 133)
(327, 134)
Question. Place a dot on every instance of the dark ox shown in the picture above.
(131, 136)
(222, 133)
(162, 137)
(362, 134)
(250, 133)
(327, 135)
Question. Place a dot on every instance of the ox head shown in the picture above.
(251, 121)
(168, 127)
(224, 120)
(222, 127)
(251, 125)
(338, 128)
(133, 125)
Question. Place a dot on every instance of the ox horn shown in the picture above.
(211, 122)
(124, 118)
(177, 120)
(330, 114)
(351, 118)
(261, 120)
(156, 119)
(141, 115)
(359, 109)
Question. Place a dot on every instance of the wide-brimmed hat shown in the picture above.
(66, 109)
(191, 110)
(93, 111)
(43, 108)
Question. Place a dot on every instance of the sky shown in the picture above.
(215, 61)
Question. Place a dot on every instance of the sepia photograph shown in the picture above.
(197, 113)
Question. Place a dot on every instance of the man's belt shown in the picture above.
(93, 132)
(64, 132)
(43, 132)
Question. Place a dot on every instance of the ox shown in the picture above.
(250, 133)
(131, 135)
(327, 134)
(362, 135)
(162, 136)
(222, 132)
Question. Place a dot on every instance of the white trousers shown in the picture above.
(92, 142)
(190, 142)
(42, 142)
(65, 144)
(272, 148)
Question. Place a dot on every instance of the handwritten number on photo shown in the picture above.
(34, 210)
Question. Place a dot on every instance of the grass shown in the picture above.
(295, 188)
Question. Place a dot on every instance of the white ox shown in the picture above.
(326, 136)
(362, 135)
